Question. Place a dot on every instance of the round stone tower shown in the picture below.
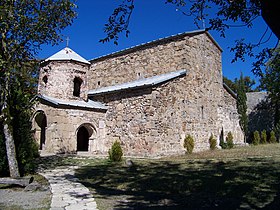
(64, 76)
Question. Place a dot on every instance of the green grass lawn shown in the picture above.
(241, 178)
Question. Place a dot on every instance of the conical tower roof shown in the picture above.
(67, 54)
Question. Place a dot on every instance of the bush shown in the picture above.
(272, 138)
(115, 153)
(229, 140)
(263, 137)
(189, 144)
(256, 138)
(212, 142)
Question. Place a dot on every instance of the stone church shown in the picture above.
(148, 97)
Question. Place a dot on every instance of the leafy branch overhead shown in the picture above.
(118, 22)
(218, 15)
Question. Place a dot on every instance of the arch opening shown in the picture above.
(82, 139)
(41, 121)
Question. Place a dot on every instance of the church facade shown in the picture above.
(148, 97)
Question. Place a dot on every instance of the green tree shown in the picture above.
(256, 138)
(229, 140)
(263, 137)
(248, 83)
(212, 142)
(24, 27)
(115, 153)
(270, 81)
(242, 106)
(272, 137)
(189, 143)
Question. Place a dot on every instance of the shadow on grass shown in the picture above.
(237, 184)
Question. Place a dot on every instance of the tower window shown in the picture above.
(77, 86)
(45, 79)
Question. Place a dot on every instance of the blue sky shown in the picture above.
(151, 19)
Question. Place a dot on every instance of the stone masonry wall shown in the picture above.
(197, 54)
(229, 120)
(60, 79)
(155, 121)
(62, 127)
(189, 105)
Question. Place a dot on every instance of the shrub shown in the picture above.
(212, 142)
(272, 138)
(115, 153)
(229, 140)
(263, 137)
(189, 143)
(256, 138)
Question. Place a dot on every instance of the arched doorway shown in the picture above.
(82, 139)
(41, 121)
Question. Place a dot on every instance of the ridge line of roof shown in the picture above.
(70, 55)
(126, 50)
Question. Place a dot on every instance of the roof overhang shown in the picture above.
(137, 84)
(92, 105)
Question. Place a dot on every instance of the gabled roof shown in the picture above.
(67, 54)
(78, 104)
(141, 83)
(155, 42)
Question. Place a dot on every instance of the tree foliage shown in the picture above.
(212, 142)
(242, 106)
(24, 27)
(218, 15)
(248, 82)
(189, 143)
(115, 153)
(270, 81)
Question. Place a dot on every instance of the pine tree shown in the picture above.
(242, 106)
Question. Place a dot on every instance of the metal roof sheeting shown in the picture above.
(145, 82)
(67, 54)
(80, 104)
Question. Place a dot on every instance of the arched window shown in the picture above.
(77, 86)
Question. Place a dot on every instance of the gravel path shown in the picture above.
(18, 199)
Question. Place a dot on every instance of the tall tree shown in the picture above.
(271, 82)
(24, 26)
(242, 106)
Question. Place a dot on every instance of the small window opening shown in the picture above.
(98, 83)
(45, 79)
(202, 112)
(77, 86)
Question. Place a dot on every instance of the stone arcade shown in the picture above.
(148, 97)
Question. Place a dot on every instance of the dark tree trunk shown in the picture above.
(271, 14)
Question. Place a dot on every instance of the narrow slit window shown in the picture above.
(77, 86)
(45, 79)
